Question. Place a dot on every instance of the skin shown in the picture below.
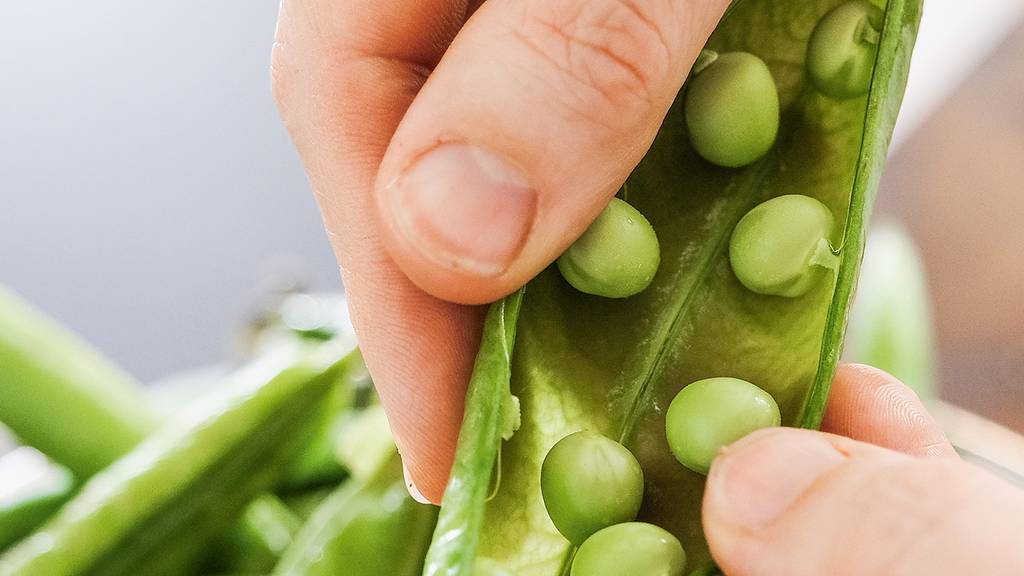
(367, 87)
(616, 257)
(634, 548)
(711, 413)
(883, 493)
(590, 482)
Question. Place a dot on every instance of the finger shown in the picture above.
(792, 502)
(531, 122)
(871, 405)
(343, 75)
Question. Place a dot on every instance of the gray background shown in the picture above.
(148, 188)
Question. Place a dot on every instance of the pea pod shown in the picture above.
(31, 490)
(365, 528)
(156, 510)
(56, 387)
(613, 366)
(66, 399)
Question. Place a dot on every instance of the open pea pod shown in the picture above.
(613, 365)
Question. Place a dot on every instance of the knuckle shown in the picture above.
(613, 55)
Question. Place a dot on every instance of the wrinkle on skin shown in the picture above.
(870, 405)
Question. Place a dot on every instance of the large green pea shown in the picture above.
(712, 413)
(732, 109)
(781, 247)
(589, 482)
(616, 257)
(633, 548)
(841, 50)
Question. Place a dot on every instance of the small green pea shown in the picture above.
(781, 247)
(712, 413)
(841, 50)
(488, 567)
(732, 109)
(633, 548)
(616, 257)
(589, 482)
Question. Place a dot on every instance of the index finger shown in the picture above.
(344, 73)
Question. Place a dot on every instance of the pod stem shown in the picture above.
(824, 256)
(866, 33)
(704, 59)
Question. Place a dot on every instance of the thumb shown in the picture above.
(797, 502)
(523, 133)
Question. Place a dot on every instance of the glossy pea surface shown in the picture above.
(633, 548)
(616, 257)
(781, 247)
(589, 482)
(732, 110)
(841, 50)
(712, 413)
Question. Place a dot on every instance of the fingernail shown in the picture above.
(757, 479)
(463, 207)
(411, 487)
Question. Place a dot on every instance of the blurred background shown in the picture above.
(151, 197)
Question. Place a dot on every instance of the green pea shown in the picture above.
(634, 548)
(841, 50)
(732, 109)
(589, 482)
(781, 247)
(712, 413)
(488, 567)
(616, 257)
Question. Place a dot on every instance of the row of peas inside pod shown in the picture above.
(592, 486)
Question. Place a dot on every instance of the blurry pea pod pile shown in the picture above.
(284, 465)
(708, 300)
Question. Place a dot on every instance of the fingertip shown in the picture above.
(871, 405)
(410, 485)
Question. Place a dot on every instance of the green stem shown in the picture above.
(824, 256)
(704, 59)
(867, 33)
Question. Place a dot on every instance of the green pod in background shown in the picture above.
(265, 531)
(31, 490)
(61, 396)
(157, 510)
(366, 528)
(891, 324)
(66, 399)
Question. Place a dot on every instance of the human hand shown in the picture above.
(882, 494)
(456, 148)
